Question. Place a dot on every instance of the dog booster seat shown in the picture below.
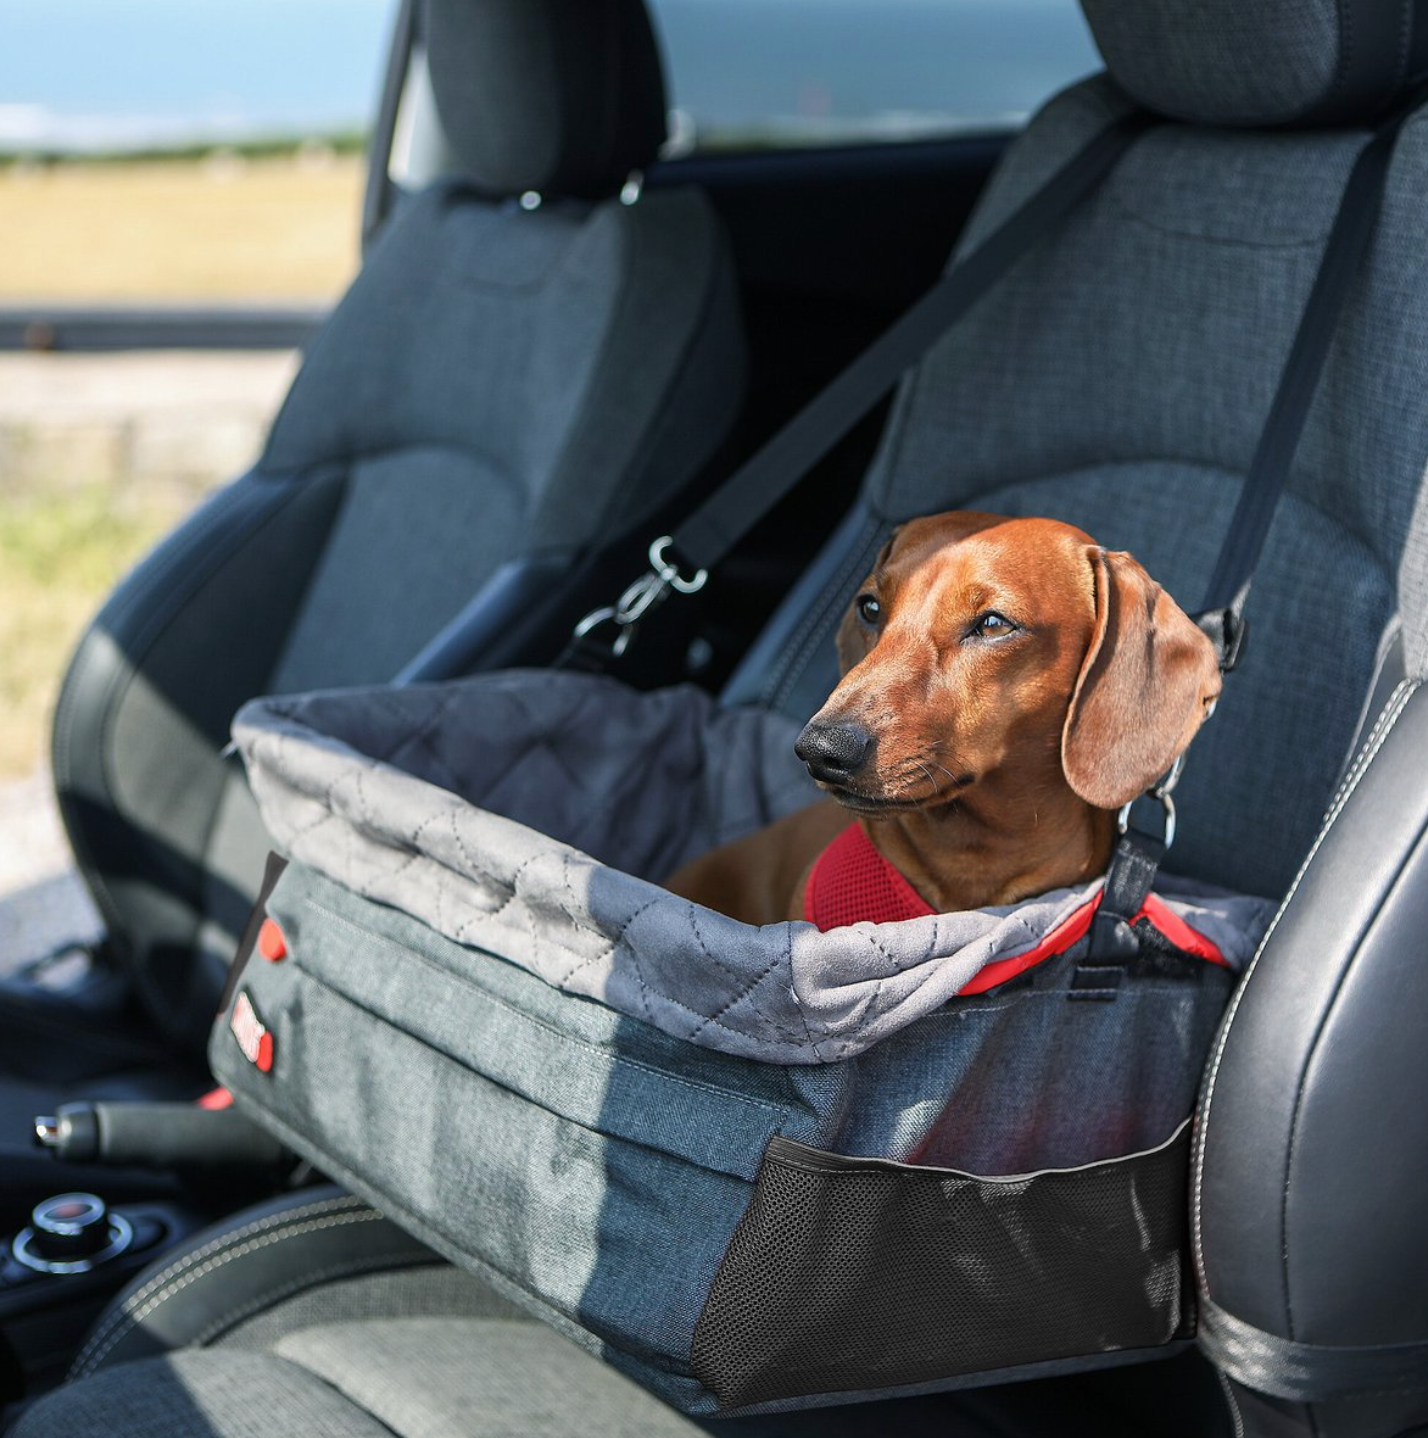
(753, 1167)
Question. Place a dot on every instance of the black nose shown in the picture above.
(833, 752)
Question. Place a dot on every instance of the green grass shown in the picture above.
(227, 228)
(253, 223)
(275, 147)
(60, 555)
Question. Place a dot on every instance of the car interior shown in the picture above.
(558, 343)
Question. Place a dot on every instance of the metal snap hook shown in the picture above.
(1167, 806)
(670, 572)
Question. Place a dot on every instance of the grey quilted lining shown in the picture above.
(531, 815)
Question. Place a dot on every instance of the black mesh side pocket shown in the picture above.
(852, 1274)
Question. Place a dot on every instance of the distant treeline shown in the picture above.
(345, 142)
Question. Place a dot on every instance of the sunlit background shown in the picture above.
(171, 154)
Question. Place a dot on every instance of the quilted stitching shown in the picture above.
(513, 813)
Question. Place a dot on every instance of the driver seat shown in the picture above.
(533, 360)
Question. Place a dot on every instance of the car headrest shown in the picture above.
(1262, 62)
(564, 97)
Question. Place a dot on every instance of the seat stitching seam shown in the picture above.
(296, 1285)
(133, 1319)
(119, 1315)
(1398, 702)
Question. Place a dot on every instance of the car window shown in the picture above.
(166, 150)
(162, 162)
(748, 74)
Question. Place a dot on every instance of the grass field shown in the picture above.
(60, 555)
(221, 228)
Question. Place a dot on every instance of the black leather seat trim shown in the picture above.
(230, 1272)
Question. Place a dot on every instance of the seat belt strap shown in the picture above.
(707, 535)
(1137, 856)
(681, 562)
(1222, 616)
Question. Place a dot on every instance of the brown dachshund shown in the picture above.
(1007, 686)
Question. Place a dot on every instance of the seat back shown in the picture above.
(1119, 378)
(526, 365)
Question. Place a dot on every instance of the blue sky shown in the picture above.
(118, 70)
(110, 73)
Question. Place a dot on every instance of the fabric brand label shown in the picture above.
(254, 1039)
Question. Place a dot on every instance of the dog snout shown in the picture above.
(833, 752)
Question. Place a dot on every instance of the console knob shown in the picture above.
(70, 1226)
(70, 1233)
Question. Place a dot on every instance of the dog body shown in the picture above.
(1007, 686)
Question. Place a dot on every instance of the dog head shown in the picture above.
(982, 646)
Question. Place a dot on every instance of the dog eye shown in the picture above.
(991, 625)
(869, 610)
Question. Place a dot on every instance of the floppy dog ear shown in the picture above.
(1149, 678)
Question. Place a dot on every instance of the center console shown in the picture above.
(59, 1270)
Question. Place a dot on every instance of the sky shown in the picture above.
(115, 73)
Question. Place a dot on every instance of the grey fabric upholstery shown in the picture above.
(1277, 62)
(511, 1378)
(188, 1395)
(1118, 379)
(482, 1378)
(563, 97)
(432, 1291)
(414, 1377)
(542, 369)
(496, 383)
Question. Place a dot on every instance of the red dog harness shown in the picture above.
(851, 883)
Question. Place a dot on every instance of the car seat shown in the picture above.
(1118, 378)
(527, 366)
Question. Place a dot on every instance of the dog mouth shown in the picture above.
(863, 801)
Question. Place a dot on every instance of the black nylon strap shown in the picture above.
(272, 872)
(1307, 1372)
(751, 491)
(1222, 618)
(1344, 253)
(1134, 865)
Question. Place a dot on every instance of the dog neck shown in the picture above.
(998, 843)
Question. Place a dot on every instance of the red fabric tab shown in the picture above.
(271, 943)
(851, 883)
(254, 1040)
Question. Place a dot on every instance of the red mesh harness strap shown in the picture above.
(851, 882)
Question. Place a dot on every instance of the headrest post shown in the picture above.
(563, 98)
